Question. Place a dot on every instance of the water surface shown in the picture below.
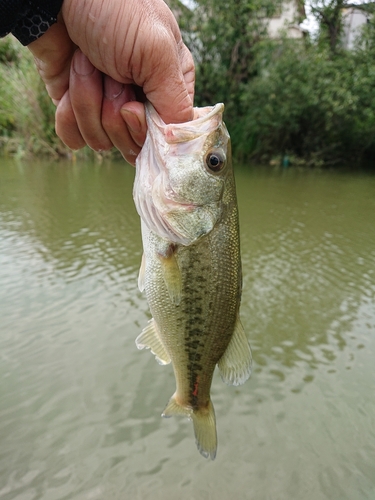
(80, 405)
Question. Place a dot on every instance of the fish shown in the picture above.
(184, 192)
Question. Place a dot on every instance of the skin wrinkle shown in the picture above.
(175, 80)
(127, 51)
(108, 50)
(84, 10)
(188, 70)
(143, 51)
(165, 47)
(98, 25)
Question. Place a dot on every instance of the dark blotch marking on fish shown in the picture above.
(192, 344)
(195, 367)
(194, 331)
(195, 392)
(193, 307)
(194, 358)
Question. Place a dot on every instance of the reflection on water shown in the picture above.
(80, 406)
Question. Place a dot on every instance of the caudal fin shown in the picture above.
(204, 425)
(205, 431)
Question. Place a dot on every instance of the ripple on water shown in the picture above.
(80, 405)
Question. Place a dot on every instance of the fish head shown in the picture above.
(181, 174)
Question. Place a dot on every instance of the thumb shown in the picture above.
(170, 89)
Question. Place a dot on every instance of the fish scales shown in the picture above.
(191, 269)
(203, 322)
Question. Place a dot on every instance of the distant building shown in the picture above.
(287, 19)
(354, 18)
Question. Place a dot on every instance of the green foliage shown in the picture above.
(313, 106)
(224, 41)
(26, 115)
(9, 52)
(308, 99)
(329, 15)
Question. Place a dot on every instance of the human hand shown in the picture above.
(98, 59)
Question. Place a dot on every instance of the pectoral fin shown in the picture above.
(172, 276)
(235, 364)
(150, 339)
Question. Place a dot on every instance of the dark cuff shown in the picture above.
(35, 18)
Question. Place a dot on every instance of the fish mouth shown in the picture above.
(202, 123)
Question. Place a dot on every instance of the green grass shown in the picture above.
(27, 115)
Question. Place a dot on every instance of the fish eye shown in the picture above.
(215, 161)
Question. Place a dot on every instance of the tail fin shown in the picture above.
(204, 425)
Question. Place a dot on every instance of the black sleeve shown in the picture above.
(27, 19)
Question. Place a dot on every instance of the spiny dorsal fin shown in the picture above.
(235, 364)
(150, 339)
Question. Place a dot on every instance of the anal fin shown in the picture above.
(235, 364)
(150, 339)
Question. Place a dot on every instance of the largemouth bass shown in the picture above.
(184, 192)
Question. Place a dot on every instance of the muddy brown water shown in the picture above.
(80, 405)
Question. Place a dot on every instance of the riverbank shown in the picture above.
(302, 106)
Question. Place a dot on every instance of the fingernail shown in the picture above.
(132, 120)
(82, 66)
(112, 88)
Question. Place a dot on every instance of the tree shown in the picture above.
(224, 42)
(329, 15)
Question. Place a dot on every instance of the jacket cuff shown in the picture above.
(35, 18)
